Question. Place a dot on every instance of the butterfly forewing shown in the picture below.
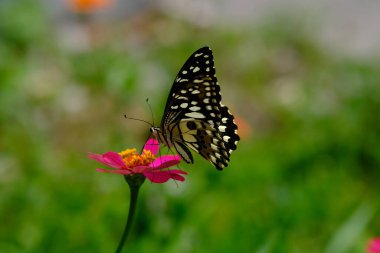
(194, 116)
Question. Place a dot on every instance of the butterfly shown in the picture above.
(194, 117)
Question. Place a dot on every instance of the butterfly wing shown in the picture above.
(194, 116)
(202, 138)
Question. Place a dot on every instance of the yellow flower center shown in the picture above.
(132, 159)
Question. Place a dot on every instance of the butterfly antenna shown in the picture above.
(150, 109)
(141, 120)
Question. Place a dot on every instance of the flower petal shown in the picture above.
(163, 176)
(177, 172)
(165, 161)
(123, 172)
(140, 169)
(152, 145)
(374, 246)
(110, 159)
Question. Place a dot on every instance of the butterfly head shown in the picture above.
(157, 133)
(154, 130)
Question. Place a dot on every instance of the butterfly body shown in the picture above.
(194, 117)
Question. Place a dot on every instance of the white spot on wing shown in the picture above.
(196, 115)
(226, 138)
(213, 159)
(195, 108)
(184, 105)
(195, 92)
(222, 128)
(196, 69)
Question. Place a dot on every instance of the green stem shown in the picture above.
(134, 182)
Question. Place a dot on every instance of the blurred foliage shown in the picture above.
(305, 180)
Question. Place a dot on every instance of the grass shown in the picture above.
(303, 179)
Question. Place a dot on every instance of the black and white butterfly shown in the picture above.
(194, 116)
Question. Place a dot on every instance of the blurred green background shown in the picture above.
(305, 176)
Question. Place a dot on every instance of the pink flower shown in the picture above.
(128, 162)
(374, 245)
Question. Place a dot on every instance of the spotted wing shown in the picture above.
(202, 138)
(194, 115)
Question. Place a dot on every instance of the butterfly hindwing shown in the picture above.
(228, 128)
(194, 116)
(183, 151)
(202, 138)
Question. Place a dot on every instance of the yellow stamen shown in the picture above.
(131, 159)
